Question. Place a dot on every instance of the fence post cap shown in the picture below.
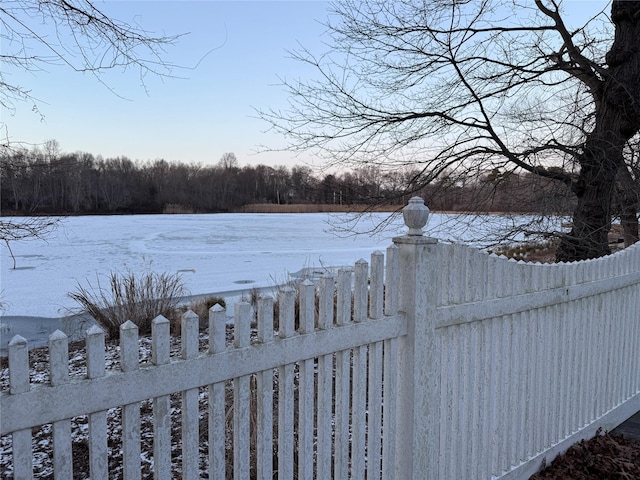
(17, 340)
(416, 215)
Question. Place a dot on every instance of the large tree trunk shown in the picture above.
(617, 119)
(630, 230)
(594, 188)
(628, 193)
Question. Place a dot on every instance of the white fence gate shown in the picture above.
(458, 365)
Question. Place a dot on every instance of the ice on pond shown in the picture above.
(212, 252)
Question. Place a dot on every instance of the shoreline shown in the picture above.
(36, 329)
(268, 208)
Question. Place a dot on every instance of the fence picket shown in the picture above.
(376, 289)
(566, 334)
(130, 413)
(392, 276)
(523, 356)
(552, 357)
(455, 359)
(342, 380)
(601, 366)
(625, 334)
(589, 364)
(466, 397)
(359, 383)
(576, 317)
(98, 451)
(241, 395)
(445, 405)
(567, 311)
(632, 298)
(607, 370)
(634, 301)
(325, 381)
(508, 361)
(484, 402)
(389, 401)
(623, 341)
(498, 393)
(306, 385)
(58, 358)
(286, 375)
(264, 396)
(343, 297)
(534, 374)
(161, 405)
(374, 412)
(360, 290)
(59, 375)
(18, 383)
(189, 326)
(216, 392)
(474, 405)
(358, 412)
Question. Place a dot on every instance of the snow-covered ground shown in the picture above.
(218, 253)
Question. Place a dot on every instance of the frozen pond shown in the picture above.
(216, 253)
(213, 253)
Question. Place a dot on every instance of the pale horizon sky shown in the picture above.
(240, 49)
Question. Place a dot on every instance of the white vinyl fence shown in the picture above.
(441, 362)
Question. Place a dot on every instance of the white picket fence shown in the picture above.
(441, 362)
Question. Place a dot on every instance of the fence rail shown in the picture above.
(436, 362)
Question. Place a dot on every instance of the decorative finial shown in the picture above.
(415, 214)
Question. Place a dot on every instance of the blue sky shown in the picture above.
(240, 49)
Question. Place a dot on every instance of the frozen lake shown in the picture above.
(214, 253)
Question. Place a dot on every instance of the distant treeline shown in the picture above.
(45, 181)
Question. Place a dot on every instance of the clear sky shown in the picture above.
(240, 49)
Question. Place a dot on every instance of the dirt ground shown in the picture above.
(604, 457)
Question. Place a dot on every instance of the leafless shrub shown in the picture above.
(130, 296)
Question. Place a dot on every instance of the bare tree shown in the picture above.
(228, 161)
(464, 87)
(75, 33)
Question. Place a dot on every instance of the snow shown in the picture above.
(212, 253)
(224, 254)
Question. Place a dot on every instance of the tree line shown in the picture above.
(47, 181)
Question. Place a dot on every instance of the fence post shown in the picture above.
(418, 366)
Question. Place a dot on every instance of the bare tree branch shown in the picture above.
(26, 228)
(472, 86)
(75, 33)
